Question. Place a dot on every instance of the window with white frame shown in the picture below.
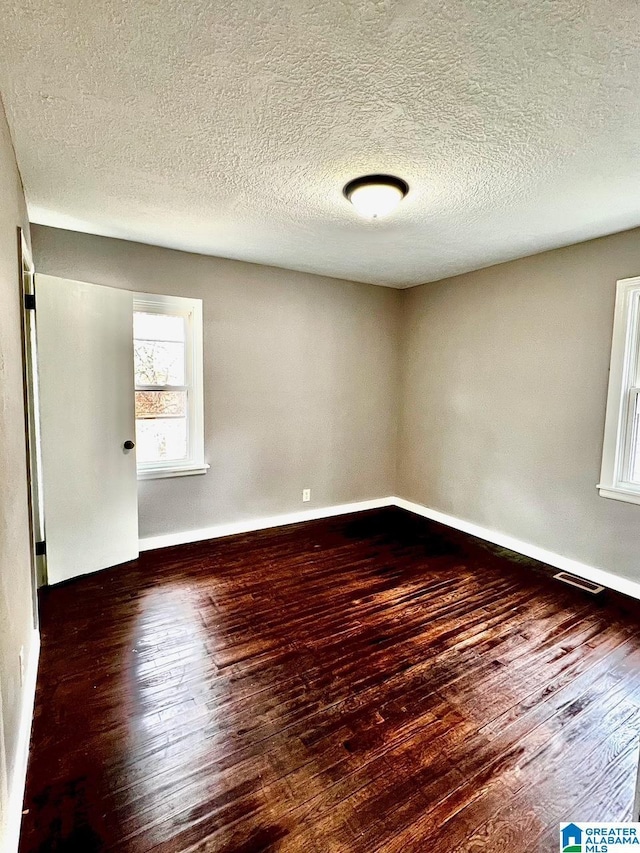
(167, 344)
(620, 474)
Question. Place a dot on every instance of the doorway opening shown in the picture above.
(27, 293)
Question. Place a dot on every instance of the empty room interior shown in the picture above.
(319, 426)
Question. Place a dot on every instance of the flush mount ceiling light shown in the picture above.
(375, 196)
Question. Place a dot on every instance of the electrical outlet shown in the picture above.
(21, 666)
(306, 494)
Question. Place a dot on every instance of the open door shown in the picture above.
(85, 363)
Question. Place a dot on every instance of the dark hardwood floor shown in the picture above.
(367, 683)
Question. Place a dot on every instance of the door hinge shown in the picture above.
(41, 549)
(30, 301)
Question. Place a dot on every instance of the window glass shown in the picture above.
(169, 406)
(160, 439)
(634, 461)
(620, 471)
(159, 362)
(154, 404)
(158, 327)
(159, 358)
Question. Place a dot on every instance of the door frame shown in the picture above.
(27, 294)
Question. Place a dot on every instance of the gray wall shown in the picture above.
(501, 399)
(16, 621)
(504, 379)
(300, 380)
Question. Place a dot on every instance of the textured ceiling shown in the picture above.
(229, 128)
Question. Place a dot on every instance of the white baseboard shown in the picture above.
(251, 524)
(575, 567)
(18, 782)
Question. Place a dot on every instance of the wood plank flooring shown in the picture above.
(373, 682)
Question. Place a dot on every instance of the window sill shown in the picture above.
(618, 494)
(177, 471)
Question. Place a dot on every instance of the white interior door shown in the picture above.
(85, 361)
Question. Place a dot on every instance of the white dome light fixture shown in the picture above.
(376, 196)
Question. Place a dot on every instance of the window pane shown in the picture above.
(158, 327)
(159, 363)
(161, 439)
(151, 404)
(634, 462)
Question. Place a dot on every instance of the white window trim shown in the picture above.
(191, 309)
(624, 372)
